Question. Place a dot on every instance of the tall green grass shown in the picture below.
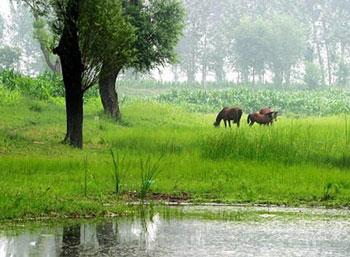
(304, 160)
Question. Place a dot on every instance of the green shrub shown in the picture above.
(43, 86)
(303, 102)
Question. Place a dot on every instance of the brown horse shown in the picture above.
(268, 110)
(228, 114)
(262, 119)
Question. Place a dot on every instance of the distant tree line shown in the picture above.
(19, 50)
(263, 41)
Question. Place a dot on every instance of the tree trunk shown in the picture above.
(253, 74)
(175, 70)
(278, 77)
(287, 75)
(108, 93)
(245, 76)
(219, 71)
(74, 112)
(319, 53)
(190, 76)
(204, 74)
(329, 65)
(342, 76)
(72, 68)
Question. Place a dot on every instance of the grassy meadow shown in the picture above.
(297, 161)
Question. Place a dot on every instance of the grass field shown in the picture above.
(297, 161)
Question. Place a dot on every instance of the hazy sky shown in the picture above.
(4, 7)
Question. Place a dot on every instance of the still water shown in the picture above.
(159, 235)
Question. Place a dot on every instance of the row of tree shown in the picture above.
(247, 38)
(279, 38)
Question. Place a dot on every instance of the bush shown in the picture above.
(303, 102)
(44, 86)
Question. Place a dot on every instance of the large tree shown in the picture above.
(285, 49)
(86, 38)
(250, 47)
(158, 25)
(263, 43)
(188, 48)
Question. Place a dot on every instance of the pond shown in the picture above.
(164, 234)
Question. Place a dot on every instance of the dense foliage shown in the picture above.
(301, 102)
(321, 102)
(44, 86)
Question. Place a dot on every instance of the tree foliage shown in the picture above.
(9, 57)
(158, 25)
(106, 36)
(264, 43)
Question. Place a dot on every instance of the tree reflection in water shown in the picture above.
(70, 241)
(118, 237)
(107, 236)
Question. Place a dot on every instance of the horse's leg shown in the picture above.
(251, 123)
(225, 123)
(238, 124)
(229, 123)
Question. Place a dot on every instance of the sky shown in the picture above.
(4, 7)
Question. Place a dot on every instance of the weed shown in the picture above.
(149, 171)
(118, 164)
(35, 108)
(330, 190)
(85, 176)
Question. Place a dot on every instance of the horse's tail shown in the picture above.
(248, 119)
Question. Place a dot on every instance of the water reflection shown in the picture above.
(157, 236)
(70, 241)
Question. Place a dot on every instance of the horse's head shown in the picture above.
(270, 115)
(274, 115)
(216, 124)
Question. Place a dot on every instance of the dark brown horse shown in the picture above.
(262, 119)
(228, 114)
(268, 110)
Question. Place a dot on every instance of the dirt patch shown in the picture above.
(161, 197)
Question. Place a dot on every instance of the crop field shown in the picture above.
(291, 102)
(163, 150)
